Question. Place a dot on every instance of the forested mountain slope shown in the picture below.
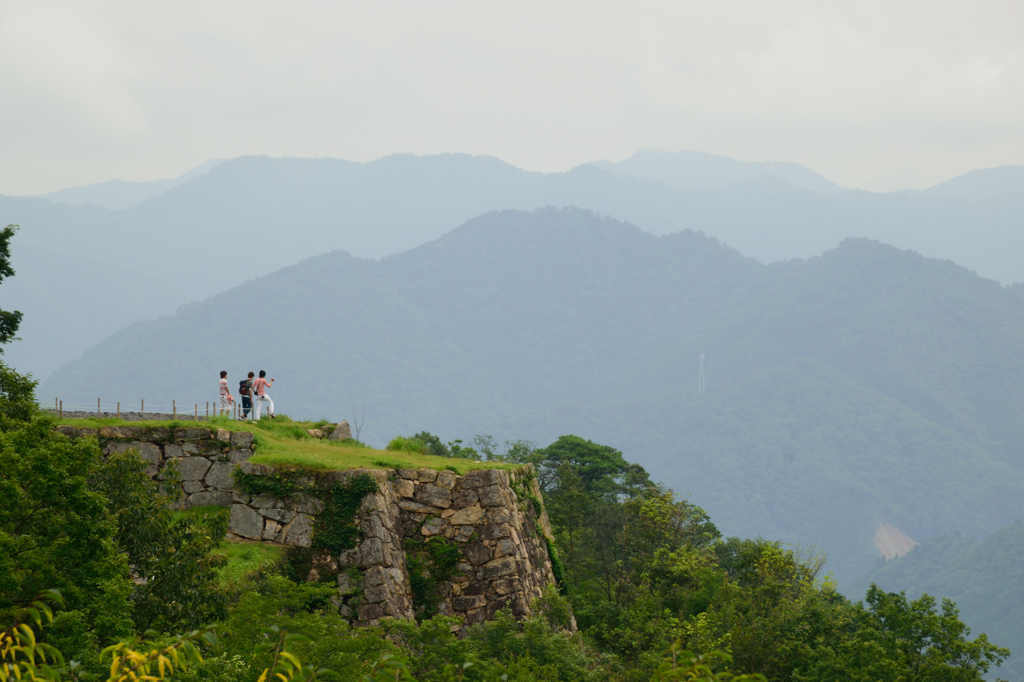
(984, 577)
(867, 385)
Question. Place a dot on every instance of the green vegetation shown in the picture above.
(985, 577)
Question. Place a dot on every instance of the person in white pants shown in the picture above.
(259, 388)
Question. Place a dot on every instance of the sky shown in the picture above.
(874, 95)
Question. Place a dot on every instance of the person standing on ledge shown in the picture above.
(245, 390)
(225, 393)
(260, 387)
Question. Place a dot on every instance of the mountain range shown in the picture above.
(85, 270)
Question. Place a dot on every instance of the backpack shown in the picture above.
(242, 388)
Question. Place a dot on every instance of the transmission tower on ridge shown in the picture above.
(700, 377)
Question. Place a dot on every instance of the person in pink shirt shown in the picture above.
(259, 389)
(225, 393)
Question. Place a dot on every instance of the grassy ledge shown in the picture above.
(282, 442)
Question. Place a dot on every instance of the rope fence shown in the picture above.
(174, 410)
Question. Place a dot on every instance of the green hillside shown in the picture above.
(984, 577)
(867, 385)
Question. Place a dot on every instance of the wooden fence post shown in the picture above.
(97, 406)
(118, 409)
(142, 407)
(197, 413)
(174, 408)
(62, 409)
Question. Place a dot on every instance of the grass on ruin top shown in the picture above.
(282, 442)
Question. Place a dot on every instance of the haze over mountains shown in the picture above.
(863, 386)
(253, 215)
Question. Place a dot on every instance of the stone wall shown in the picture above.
(499, 532)
(204, 457)
(494, 517)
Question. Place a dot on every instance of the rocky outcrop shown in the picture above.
(204, 457)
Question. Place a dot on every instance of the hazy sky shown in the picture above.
(878, 95)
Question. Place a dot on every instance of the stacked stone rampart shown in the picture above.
(204, 457)
(493, 517)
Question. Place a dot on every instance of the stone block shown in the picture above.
(416, 507)
(426, 475)
(469, 603)
(191, 433)
(270, 530)
(504, 547)
(470, 516)
(481, 478)
(464, 534)
(342, 431)
(172, 451)
(408, 474)
(193, 468)
(242, 439)
(433, 496)
(498, 568)
(494, 532)
(219, 475)
(476, 553)
(466, 498)
(476, 616)
(210, 498)
(192, 487)
(375, 594)
(373, 528)
(493, 496)
(239, 455)
(402, 487)
(433, 526)
(298, 532)
(498, 515)
(374, 576)
(371, 553)
(281, 515)
(315, 433)
(187, 448)
(505, 586)
(223, 435)
(120, 432)
(245, 522)
(445, 479)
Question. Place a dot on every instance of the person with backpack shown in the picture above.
(225, 393)
(260, 387)
(245, 390)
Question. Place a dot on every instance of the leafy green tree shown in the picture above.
(602, 469)
(55, 530)
(174, 560)
(895, 639)
(9, 320)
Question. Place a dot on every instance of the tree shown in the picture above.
(9, 320)
(897, 639)
(602, 469)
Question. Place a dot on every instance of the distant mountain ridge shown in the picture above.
(122, 194)
(864, 386)
(688, 169)
(253, 215)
